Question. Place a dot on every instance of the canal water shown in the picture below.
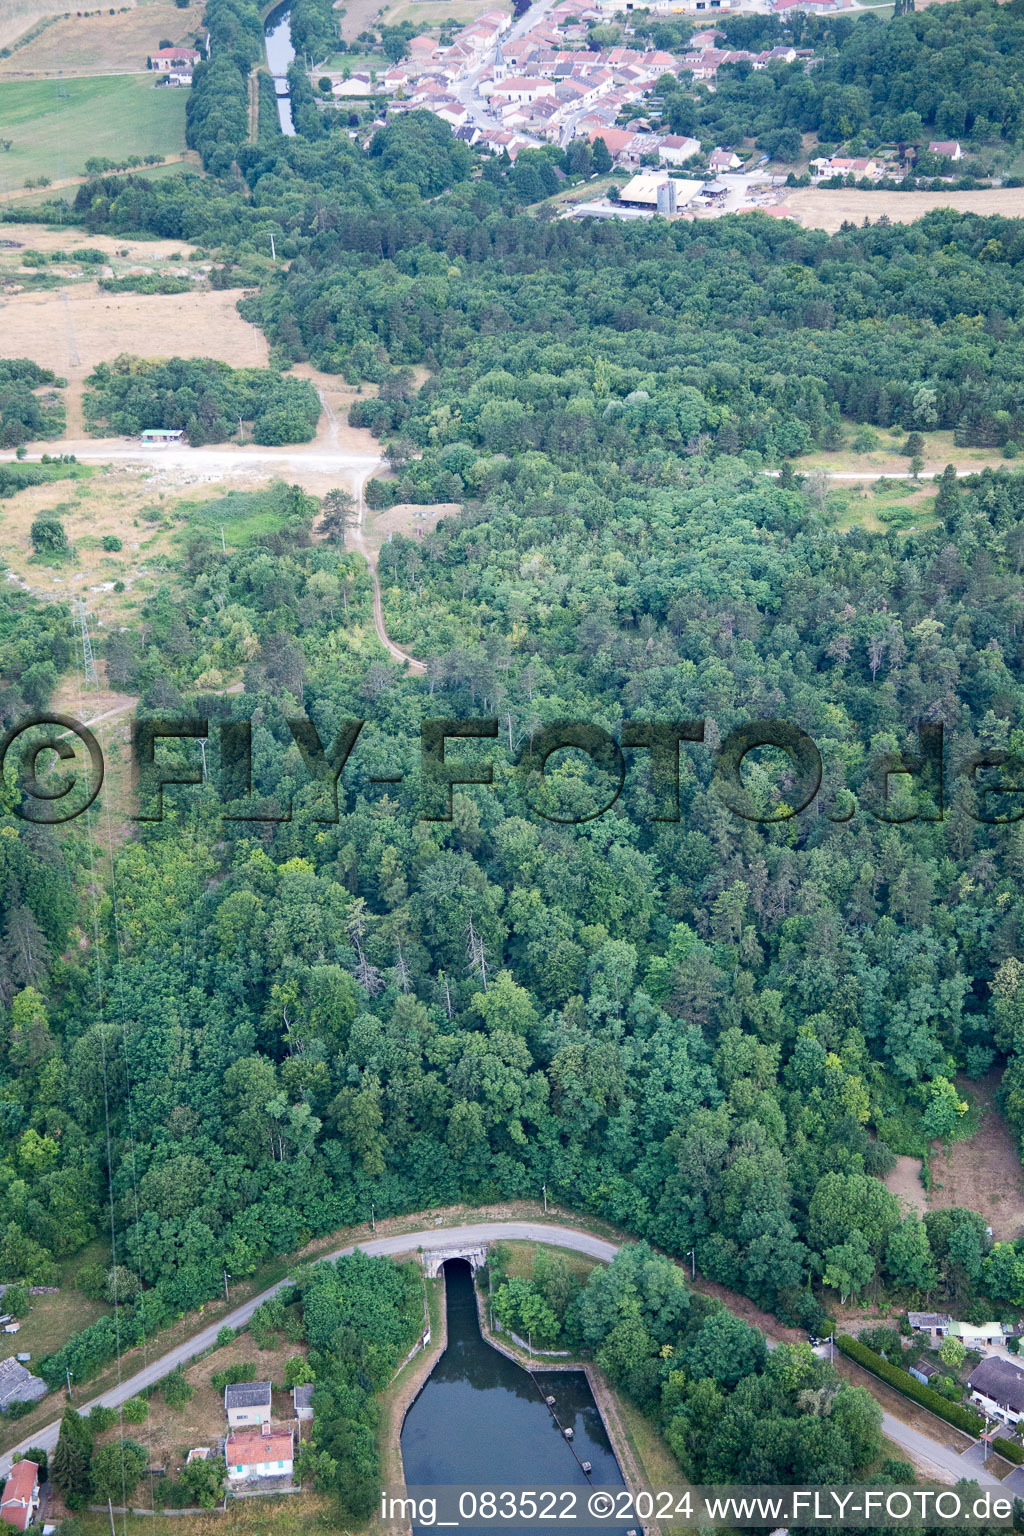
(480, 1421)
(277, 40)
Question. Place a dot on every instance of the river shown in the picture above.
(481, 1421)
(277, 40)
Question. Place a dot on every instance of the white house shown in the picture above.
(265, 1452)
(248, 1402)
(998, 1387)
(983, 1335)
(302, 1398)
(721, 160)
(676, 149)
(947, 147)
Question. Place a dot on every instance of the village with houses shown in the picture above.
(504, 85)
(546, 86)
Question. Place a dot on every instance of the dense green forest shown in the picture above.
(716, 1033)
(208, 400)
(25, 414)
(945, 72)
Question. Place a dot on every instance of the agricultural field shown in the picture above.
(99, 43)
(93, 327)
(55, 126)
(427, 15)
(20, 16)
(820, 208)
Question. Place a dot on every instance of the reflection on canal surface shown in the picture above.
(480, 1418)
(277, 39)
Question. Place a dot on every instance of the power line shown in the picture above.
(82, 626)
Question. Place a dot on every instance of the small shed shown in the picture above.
(302, 1397)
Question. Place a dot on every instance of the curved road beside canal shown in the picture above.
(916, 1444)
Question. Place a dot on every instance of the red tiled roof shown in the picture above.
(17, 1504)
(251, 1448)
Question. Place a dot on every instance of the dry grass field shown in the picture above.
(404, 517)
(817, 208)
(99, 43)
(72, 330)
(81, 326)
(17, 16)
(114, 501)
(133, 249)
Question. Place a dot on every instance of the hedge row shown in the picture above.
(964, 1418)
(85, 1352)
(1009, 1449)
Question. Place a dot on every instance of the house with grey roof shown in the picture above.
(935, 1324)
(302, 1397)
(997, 1386)
(247, 1402)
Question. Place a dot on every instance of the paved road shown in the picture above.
(302, 455)
(922, 1447)
(943, 1458)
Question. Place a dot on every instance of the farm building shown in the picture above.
(167, 58)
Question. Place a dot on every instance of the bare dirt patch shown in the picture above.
(982, 1173)
(404, 518)
(904, 1181)
(817, 208)
(336, 398)
(101, 44)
